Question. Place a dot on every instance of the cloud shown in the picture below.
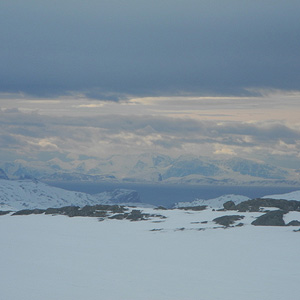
(93, 105)
(104, 135)
(224, 151)
(111, 50)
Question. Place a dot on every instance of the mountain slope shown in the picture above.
(214, 203)
(219, 201)
(288, 196)
(28, 194)
(3, 174)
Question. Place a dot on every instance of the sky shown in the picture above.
(95, 78)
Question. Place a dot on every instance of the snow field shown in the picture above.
(56, 257)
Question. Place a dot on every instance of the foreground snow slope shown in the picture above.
(56, 257)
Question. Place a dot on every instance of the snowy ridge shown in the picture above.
(28, 194)
(288, 196)
(219, 201)
(214, 203)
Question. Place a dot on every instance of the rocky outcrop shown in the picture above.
(135, 215)
(76, 211)
(271, 218)
(227, 220)
(101, 211)
(255, 205)
(194, 208)
(4, 212)
(293, 223)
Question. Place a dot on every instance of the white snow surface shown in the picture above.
(288, 196)
(215, 203)
(56, 257)
(28, 194)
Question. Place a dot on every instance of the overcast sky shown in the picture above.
(110, 49)
(201, 77)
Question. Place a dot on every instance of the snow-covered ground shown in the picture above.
(56, 257)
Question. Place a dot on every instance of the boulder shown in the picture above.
(255, 205)
(229, 205)
(227, 220)
(4, 212)
(293, 223)
(194, 208)
(271, 218)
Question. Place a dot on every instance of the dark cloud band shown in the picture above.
(111, 49)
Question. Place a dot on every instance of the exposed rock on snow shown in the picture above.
(228, 220)
(214, 203)
(258, 204)
(101, 211)
(293, 223)
(271, 218)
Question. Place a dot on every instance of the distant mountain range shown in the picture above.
(153, 168)
(31, 194)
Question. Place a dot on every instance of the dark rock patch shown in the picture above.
(135, 215)
(255, 205)
(194, 208)
(160, 208)
(227, 220)
(272, 218)
(70, 211)
(229, 205)
(101, 211)
(180, 229)
(293, 223)
(25, 212)
(76, 211)
(4, 212)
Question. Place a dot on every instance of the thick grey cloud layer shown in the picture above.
(110, 49)
(31, 135)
